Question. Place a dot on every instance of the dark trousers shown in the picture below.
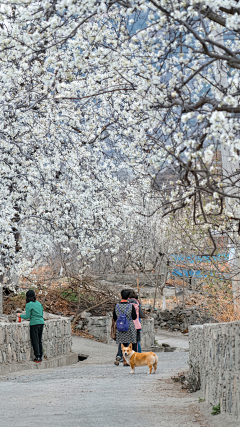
(134, 347)
(36, 332)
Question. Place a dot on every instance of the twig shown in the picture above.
(90, 308)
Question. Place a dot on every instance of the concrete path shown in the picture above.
(98, 352)
(96, 393)
(174, 339)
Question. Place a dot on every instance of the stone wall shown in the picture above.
(214, 358)
(15, 344)
(1, 298)
(180, 318)
(100, 327)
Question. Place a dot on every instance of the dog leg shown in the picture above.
(132, 370)
(150, 369)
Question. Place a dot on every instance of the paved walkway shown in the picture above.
(98, 352)
(174, 339)
(96, 393)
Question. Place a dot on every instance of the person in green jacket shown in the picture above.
(34, 312)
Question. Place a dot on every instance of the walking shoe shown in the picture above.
(37, 360)
(118, 358)
(116, 362)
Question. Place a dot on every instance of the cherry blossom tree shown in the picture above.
(89, 87)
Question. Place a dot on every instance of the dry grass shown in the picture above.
(77, 295)
(217, 300)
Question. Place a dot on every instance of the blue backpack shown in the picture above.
(122, 323)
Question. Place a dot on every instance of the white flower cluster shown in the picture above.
(89, 87)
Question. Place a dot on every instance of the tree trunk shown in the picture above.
(183, 289)
(156, 287)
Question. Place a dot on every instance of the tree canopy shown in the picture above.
(90, 87)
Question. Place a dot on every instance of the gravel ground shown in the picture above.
(95, 393)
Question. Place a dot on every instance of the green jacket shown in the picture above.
(34, 312)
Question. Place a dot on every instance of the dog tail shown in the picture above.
(156, 361)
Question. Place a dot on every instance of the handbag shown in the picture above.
(113, 330)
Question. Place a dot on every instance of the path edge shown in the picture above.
(54, 362)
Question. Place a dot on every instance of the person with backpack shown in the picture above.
(34, 312)
(133, 299)
(124, 314)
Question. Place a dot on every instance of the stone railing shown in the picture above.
(100, 328)
(214, 357)
(15, 343)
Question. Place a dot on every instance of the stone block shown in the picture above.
(60, 349)
(49, 330)
(85, 314)
(80, 324)
(10, 334)
(57, 331)
(98, 320)
(154, 316)
(176, 326)
(6, 335)
(2, 335)
(163, 324)
(9, 353)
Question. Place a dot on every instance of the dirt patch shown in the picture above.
(187, 410)
(179, 408)
(199, 413)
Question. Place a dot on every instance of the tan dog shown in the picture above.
(139, 359)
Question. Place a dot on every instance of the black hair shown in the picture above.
(132, 294)
(125, 293)
(30, 296)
